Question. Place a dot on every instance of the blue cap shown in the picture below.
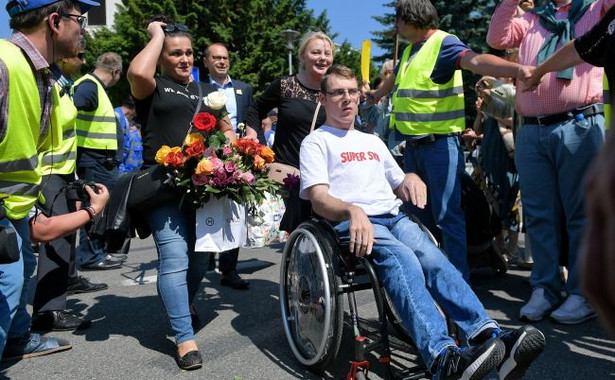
(15, 7)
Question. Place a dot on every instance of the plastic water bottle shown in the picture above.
(581, 120)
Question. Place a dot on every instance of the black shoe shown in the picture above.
(192, 360)
(233, 280)
(103, 265)
(31, 345)
(58, 320)
(82, 284)
(523, 345)
(472, 364)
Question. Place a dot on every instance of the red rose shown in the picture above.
(204, 122)
(174, 159)
(195, 149)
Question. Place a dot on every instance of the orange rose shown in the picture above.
(196, 149)
(267, 154)
(259, 163)
(174, 158)
(193, 137)
(161, 154)
(204, 167)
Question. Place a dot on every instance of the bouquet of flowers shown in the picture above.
(207, 164)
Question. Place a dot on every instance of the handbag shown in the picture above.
(278, 171)
(152, 186)
(220, 225)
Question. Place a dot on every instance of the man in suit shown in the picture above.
(238, 100)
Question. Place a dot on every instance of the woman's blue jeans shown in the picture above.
(180, 269)
(415, 273)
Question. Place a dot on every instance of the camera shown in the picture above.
(75, 191)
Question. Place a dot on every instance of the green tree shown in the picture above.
(251, 30)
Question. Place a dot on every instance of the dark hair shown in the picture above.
(419, 13)
(129, 102)
(28, 20)
(337, 70)
(206, 53)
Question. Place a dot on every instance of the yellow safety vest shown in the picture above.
(19, 177)
(606, 95)
(97, 129)
(59, 149)
(421, 106)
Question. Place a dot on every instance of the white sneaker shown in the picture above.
(537, 307)
(574, 310)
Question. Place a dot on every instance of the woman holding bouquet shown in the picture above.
(296, 97)
(165, 106)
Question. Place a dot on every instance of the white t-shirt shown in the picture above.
(357, 166)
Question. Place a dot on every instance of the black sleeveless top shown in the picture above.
(166, 114)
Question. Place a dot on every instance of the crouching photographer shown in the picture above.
(46, 228)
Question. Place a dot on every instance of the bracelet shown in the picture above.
(91, 212)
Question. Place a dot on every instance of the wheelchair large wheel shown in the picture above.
(311, 306)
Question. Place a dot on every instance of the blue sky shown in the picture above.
(350, 19)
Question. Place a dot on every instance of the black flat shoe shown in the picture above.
(232, 279)
(192, 360)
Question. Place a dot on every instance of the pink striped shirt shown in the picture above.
(552, 95)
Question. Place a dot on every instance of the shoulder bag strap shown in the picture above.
(315, 117)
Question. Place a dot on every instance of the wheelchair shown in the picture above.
(316, 271)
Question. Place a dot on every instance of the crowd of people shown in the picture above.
(540, 123)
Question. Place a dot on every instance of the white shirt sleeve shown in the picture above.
(313, 164)
(394, 174)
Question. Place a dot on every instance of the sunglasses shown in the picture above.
(80, 56)
(172, 28)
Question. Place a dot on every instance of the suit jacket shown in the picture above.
(243, 97)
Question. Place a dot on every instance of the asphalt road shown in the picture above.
(243, 338)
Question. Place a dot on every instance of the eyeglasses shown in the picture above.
(172, 28)
(338, 94)
(219, 58)
(81, 20)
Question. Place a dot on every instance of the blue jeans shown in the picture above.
(552, 162)
(415, 273)
(93, 251)
(440, 165)
(180, 269)
(14, 318)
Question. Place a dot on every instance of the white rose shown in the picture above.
(215, 100)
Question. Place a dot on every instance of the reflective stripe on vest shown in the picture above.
(19, 177)
(59, 149)
(97, 129)
(606, 95)
(421, 106)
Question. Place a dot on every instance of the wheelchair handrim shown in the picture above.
(284, 297)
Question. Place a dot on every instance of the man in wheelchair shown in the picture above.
(352, 180)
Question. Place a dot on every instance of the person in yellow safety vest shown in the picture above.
(99, 147)
(43, 31)
(56, 270)
(428, 113)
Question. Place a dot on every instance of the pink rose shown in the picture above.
(200, 180)
(218, 163)
(248, 178)
(230, 166)
(226, 151)
(237, 174)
